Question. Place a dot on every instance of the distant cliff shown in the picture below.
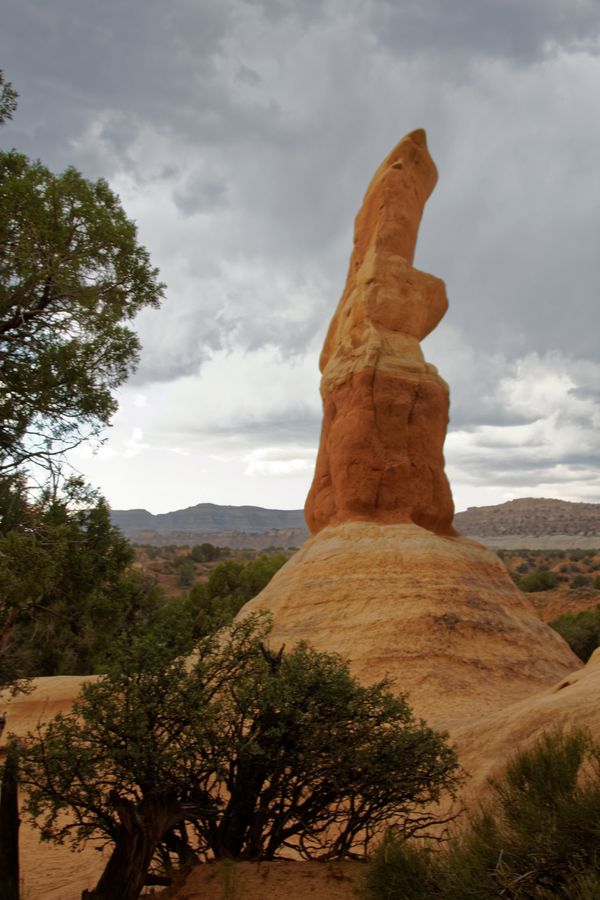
(530, 516)
(253, 526)
(207, 518)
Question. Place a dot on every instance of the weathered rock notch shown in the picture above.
(385, 409)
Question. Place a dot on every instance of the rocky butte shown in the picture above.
(385, 580)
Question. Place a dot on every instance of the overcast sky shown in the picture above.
(241, 136)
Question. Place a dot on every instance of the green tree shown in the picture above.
(205, 553)
(538, 837)
(214, 603)
(580, 630)
(67, 590)
(255, 751)
(185, 571)
(8, 99)
(538, 581)
(72, 276)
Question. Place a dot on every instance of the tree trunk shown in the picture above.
(9, 826)
(142, 829)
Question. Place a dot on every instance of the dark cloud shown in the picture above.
(200, 195)
(519, 30)
(242, 134)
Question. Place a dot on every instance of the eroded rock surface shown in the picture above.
(385, 410)
(385, 581)
(439, 615)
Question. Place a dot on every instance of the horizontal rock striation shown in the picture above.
(438, 615)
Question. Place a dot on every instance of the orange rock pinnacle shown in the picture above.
(385, 410)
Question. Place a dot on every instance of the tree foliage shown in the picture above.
(8, 99)
(215, 602)
(581, 631)
(72, 276)
(205, 552)
(257, 752)
(66, 587)
(538, 581)
(537, 839)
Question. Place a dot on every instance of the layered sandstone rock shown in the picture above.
(485, 744)
(385, 410)
(439, 615)
(385, 581)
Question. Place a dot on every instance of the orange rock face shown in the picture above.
(385, 410)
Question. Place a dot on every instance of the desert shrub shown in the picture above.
(538, 581)
(578, 555)
(581, 581)
(151, 551)
(185, 570)
(538, 838)
(580, 630)
(205, 553)
(256, 751)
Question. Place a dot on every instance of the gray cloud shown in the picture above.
(242, 134)
(519, 30)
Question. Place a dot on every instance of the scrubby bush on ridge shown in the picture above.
(581, 631)
(538, 838)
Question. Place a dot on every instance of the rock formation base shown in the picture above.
(438, 615)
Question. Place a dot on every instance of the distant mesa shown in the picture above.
(205, 520)
(252, 526)
(531, 516)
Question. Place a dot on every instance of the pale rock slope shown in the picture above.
(484, 744)
(439, 615)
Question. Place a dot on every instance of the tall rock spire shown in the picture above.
(384, 581)
(385, 410)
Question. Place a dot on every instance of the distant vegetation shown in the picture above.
(573, 577)
(537, 838)
(542, 570)
(215, 602)
(538, 581)
(581, 630)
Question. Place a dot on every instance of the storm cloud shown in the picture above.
(241, 135)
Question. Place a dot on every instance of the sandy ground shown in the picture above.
(272, 881)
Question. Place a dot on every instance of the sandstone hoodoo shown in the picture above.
(385, 409)
(385, 580)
